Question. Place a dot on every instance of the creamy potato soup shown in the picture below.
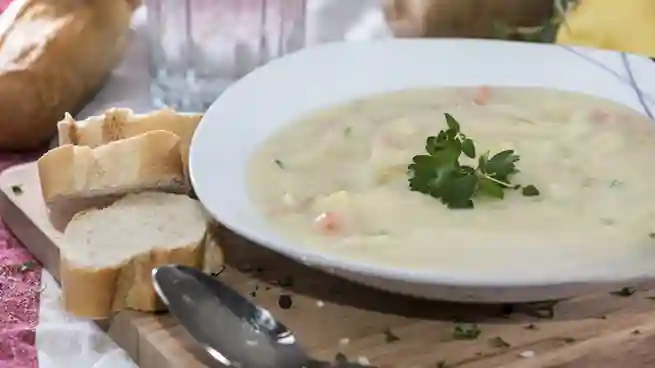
(337, 180)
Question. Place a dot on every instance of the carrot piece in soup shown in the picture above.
(600, 116)
(329, 222)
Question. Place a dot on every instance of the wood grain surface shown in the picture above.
(333, 317)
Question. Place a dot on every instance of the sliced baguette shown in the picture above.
(74, 178)
(121, 123)
(108, 254)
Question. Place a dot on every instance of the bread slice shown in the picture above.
(74, 178)
(108, 254)
(121, 123)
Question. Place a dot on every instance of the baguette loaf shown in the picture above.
(120, 123)
(74, 178)
(55, 54)
(108, 254)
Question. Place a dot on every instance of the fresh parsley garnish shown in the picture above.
(530, 191)
(25, 266)
(440, 174)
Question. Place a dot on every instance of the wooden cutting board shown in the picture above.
(333, 317)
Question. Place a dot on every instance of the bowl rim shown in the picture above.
(330, 262)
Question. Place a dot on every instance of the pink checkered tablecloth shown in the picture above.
(19, 291)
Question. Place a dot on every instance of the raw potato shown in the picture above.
(108, 255)
(462, 18)
(74, 178)
(54, 55)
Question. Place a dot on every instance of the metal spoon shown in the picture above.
(232, 330)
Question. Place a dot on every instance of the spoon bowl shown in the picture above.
(232, 330)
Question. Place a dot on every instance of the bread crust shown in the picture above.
(79, 171)
(55, 54)
(97, 293)
(87, 293)
(74, 178)
(96, 290)
(121, 123)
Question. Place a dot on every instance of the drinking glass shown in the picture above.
(199, 47)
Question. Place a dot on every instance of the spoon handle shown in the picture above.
(339, 364)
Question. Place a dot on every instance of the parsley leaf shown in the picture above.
(438, 172)
(452, 123)
(530, 191)
(502, 165)
(491, 188)
(468, 147)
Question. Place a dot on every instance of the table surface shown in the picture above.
(595, 331)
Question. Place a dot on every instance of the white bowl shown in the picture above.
(263, 101)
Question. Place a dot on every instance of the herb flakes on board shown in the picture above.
(466, 332)
(285, 282)
(26, 266)
(390, 337)
(499, 342)
(545, 309)
(285, 301)
(625, 292)
(218, 272)
(17, 189)
(440, 174)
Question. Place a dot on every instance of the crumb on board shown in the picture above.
(285, 301)
(320, 303)
(362, 360)
(344, 341)
(527, 354)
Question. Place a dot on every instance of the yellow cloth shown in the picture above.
(622, 25)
